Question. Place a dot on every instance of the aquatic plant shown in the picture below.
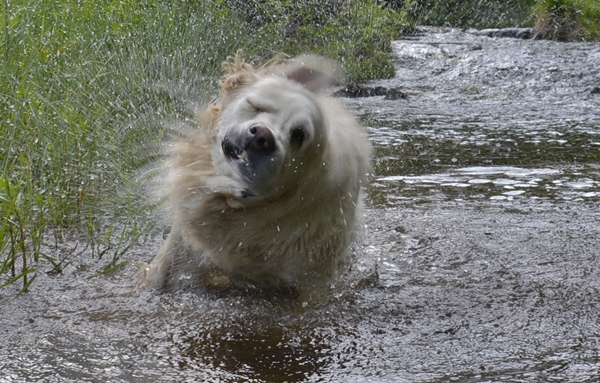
(568, 20)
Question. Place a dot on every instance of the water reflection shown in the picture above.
(491, 182)
(265, 354)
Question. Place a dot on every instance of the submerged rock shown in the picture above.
(359, 91)
(517, 33)
(395, 94)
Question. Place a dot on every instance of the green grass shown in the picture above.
(472, 13)
(356, 33)
(85, 90)
(568, 20)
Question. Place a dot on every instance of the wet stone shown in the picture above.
(517, 33)
(359, 91)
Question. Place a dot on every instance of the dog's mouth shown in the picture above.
(234, 152)
(252, 153)
(246, 193)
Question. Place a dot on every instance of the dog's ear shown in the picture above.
(313, 72)
(237, 73)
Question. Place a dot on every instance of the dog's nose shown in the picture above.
(261, 140)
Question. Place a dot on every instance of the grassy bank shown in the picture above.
(356, 33)
(472, 13)
(86, 86)
(565, 20)
(568, 20)
(81, 90)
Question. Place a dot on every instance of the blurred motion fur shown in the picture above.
(267, 190)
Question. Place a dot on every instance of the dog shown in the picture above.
(266, 192)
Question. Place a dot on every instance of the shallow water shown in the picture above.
(480, 259)
(488, 118)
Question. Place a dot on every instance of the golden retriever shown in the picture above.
(266, 192)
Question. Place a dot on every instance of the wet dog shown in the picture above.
(267, 190)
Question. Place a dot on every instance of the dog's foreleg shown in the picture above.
(157, 272)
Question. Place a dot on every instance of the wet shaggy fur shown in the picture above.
(267, 190)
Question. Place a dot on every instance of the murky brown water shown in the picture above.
(483, 228)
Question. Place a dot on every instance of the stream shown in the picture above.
(480, 259)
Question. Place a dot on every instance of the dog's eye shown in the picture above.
(255, 108)
(297, 136)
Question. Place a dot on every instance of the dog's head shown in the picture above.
(270, 129)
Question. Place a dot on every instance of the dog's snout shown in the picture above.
(261, 140)
(249, 147)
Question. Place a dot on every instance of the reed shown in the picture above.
(472, 13)
(82, 84)
(356, 33)
(568, 20)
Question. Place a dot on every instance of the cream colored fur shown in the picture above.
(291, 224)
